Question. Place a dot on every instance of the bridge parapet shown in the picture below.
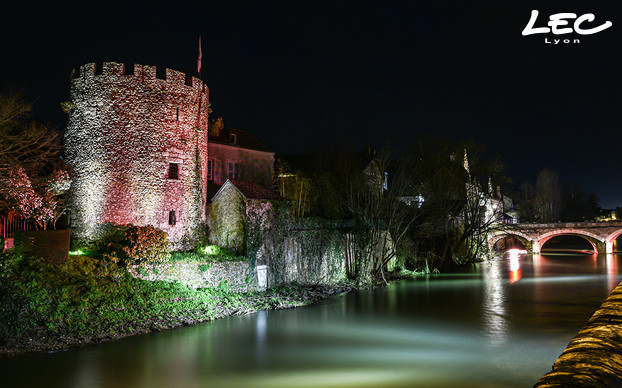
(562, 225)
(600, 234)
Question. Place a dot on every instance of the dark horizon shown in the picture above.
(303, 75)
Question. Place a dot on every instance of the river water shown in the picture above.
(501, 324)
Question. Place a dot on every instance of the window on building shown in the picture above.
(161, 72)
(177, 114)
(173, 171)
(233, 170)
(217, 171)
(172, 219)
(210, 169)
(99, 69)
(128, 69)
(232, 138)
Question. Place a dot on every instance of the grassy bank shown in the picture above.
(85, 300)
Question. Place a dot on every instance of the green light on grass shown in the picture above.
(76, 253)
(212, 250)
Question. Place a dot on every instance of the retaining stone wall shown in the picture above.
(239, 276)
(594, 356)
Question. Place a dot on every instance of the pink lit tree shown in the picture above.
(41, 203)
(32, 179)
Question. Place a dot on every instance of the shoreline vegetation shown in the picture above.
(94, 296)
(48, 308)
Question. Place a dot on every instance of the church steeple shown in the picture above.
(465, 162)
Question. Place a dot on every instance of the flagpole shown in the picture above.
(199, 59)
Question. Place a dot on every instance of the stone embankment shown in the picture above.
(594, 356)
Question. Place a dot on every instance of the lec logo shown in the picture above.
(559, 21)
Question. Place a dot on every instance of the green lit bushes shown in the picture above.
(211, 253)
(87, 300)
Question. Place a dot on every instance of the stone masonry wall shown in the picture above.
(594, 356)
(293, 261)
(227, 219)
(326, 267)
(238, 276)
(125, 126)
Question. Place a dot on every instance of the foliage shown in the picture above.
(313, 183)
(307, 249)
(41, 204)
(107, 237)
(24, 143)
(83, 296)
(578, 205)
(216, 126)
(293, 186)
(221, 253)
(266, 223)
(141, 244)
(210, 253)
(453, 224)
(550, 201)
(547, 201)
(381, 217)
(351, 186)
(89, 300)
(542, 203)
(32, 178)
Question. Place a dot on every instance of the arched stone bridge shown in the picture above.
(533, 236)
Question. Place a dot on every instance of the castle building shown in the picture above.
(137, 141)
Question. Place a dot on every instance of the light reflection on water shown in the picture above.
(484, 328)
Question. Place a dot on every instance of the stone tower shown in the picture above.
(137, 143)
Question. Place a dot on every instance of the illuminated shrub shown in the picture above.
(104, 237)
(141, 244)
(215, 252)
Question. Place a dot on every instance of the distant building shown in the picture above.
(607, 215)
(492, 206)
(238, 155)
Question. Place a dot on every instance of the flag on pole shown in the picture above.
(200, 56)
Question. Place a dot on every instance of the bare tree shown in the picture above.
(382, 218)
(458, 210)
(548, 196)
(31, 174)
(24, 143)
(294, 186)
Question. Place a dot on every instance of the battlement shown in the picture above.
(113, 71)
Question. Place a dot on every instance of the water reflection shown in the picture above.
(493, 306)
(474, 329)
(515, 273)
(612, 271)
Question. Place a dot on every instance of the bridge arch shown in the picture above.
(496, 236)
(592, 238)
(611, 238)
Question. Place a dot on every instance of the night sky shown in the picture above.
(302, 75)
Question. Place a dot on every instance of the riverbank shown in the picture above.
(594, 356)
(54, 307)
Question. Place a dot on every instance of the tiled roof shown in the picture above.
(244, 139)
(250, 190)
(253, 190)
